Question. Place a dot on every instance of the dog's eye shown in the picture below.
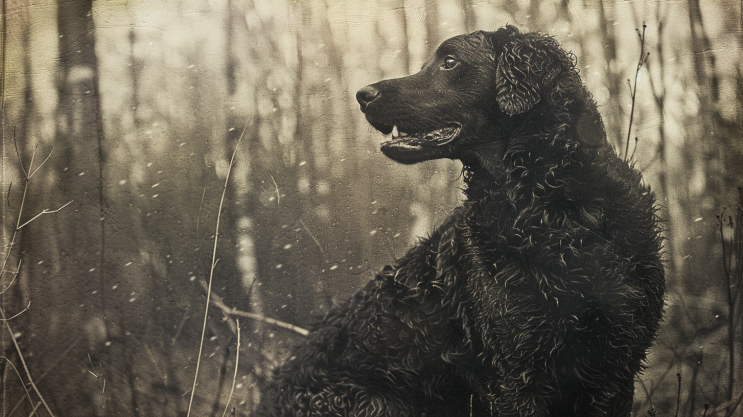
(449, 63)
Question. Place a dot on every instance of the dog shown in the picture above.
(539, 296)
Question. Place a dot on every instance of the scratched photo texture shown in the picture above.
(122, 205)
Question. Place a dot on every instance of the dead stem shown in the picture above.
(15, 275)
(45, 211)
(237, 361)
(28, 394)
(633, 89)
(23, 361)
(17, 314)
(211, 273)
(216, 300)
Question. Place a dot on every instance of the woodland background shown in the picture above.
(138, 106)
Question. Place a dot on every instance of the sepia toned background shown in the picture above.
(119, 121)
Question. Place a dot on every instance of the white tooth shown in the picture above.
(395, 132)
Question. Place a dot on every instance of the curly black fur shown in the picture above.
(538, 297)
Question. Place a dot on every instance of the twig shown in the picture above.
(17, 314)
(234, 312)
(49, 369)
(45, 211)
(36, 407)
(234, 376)
(23, 384)
(10, 284)
(317, 242)
(211, 273)
(23, 362)
(7, 256)
(633, 89)
(278, 193)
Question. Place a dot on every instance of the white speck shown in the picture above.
(133, 299)
(238, 386)
(91, 270)
(149, 164)
(115, 286)
(193, 278)
(333, 267)
(396, 235)
(717, 316)
(287, 246)
(128, 263)
(698, 219)
(213, 338)
(182, 143)
(122, 182)
(81, 174)
(190, 66)
(373, 232)
(41, 262)
(279, 266)
(232, 128)
(17, 335)
(108, 343)
(156, 185)
(155, 196)
(303, 163)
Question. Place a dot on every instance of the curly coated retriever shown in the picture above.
(539, 296)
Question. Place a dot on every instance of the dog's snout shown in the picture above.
(366, 95)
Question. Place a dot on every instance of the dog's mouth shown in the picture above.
(409, 148)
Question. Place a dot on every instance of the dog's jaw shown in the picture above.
(411, 148)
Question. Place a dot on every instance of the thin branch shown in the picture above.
(23, 362)
(23, 384)
(42, 163)
(46, 211)
(317, 242)
(234, 312)
(278, 193)
(211, 273)
(18, 154)
(17, 314)
(633, 89)
(36, 407)
(234, 376)
(17, 270)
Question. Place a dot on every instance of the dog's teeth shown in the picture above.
(395, 132)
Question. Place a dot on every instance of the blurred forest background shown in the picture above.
(119, 120)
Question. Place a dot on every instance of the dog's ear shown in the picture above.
(525, 65)
(522, 68)
(517, 87)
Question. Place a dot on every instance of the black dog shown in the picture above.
(538, 297)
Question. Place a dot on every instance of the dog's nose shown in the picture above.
(366, 95)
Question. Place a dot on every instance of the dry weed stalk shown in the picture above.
(214, 261)
(27, 175)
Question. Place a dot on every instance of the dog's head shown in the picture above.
(476, 91)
